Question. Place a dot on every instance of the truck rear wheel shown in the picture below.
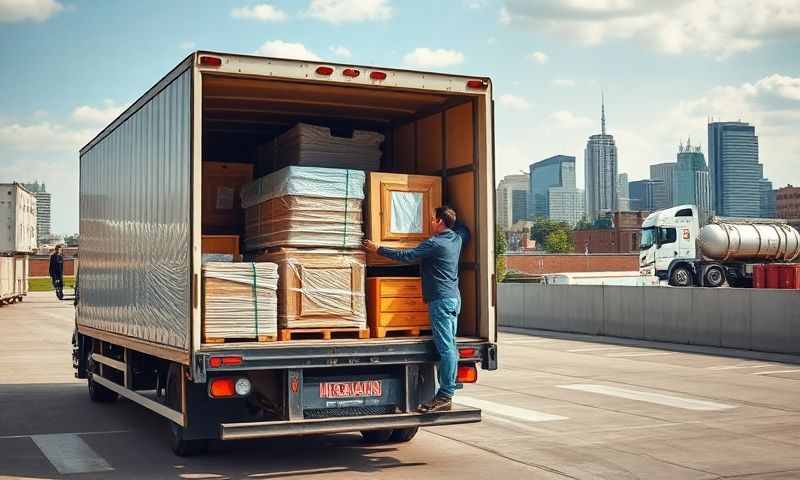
(403, 435)
(681, 276)
(376, 436)
(180, 446)
(714, 276)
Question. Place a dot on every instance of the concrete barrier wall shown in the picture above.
(751, 319)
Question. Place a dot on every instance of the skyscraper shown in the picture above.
(664, 172)
(512, 200)
(645, 194)
(623, 194)
(767, 204)
(734, 168)
(567, 204)
(556, 171)
(601, 171)
(691, 181)
(43, 215)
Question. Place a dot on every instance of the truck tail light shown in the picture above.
(323, 70)
(466, 352)
(478, 84)
(377, 75)
(210, 61)
(222, 388)
(467, 374)
(228, 361)
(350, 72)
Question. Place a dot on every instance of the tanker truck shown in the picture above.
(674, 247)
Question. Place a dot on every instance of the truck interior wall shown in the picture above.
(433, 143)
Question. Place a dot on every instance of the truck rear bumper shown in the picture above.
(240, 431)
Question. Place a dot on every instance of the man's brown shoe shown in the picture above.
(440, 403)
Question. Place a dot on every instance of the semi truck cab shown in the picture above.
(668, 235)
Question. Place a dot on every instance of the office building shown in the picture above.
(646, 194)
(734, 169)
(664, 172)
(623, 195)
(43, 212)
(556, 171)
(768, 199)
(512, 200)
(567, 204)
(787, 204)
(691, 183)
(600, 173)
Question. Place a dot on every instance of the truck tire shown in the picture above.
(403, 435)
(681, 276)
(376, 436)
(714, 276)
(180, 446)
(97, 392)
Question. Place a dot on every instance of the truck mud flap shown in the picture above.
(240, 431)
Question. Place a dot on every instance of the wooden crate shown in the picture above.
(319, 288)
(222, 208)
(222, 244)
(388, 189)
(395, 304)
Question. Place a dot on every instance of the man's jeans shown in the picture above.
(444, 321)
(58, 284)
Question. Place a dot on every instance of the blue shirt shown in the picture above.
(438, 258)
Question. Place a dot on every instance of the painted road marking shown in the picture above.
(740, 365)
(507, 410)
(105, 432)
(639, 354)
(775, 371)
(68, 453)
(596, 349)
(657, 398)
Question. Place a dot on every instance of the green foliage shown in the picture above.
(542, 227)
(558, 241)
(583, 224)
(72, 240)
(500, 247)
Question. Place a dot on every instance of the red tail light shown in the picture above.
(377, 75)
(324, 70)
(222, 388)
(216, 362)
(467, 374)
(210, 61)
(466, 352)
(478, 84)
(350, 72)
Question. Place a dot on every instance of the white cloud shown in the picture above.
(513, 102)
(22, 10)
(538, 57)
(475, 4)
(340, 51)
(564, 82)
(426, 57)
(567, 119)
(97, 116)
(281, 49)
(504, 16)
(44, 137)
(491, 41)
(718, 28)
(263, 12)
(187, 45)
(343, 11)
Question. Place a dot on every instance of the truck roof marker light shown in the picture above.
(377, 75)
(222, 388)
(351, 72)
(323, 70)
(210, 61)
(466, 352)
(478, 84)
(467, 374)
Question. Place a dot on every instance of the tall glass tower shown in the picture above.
(734, 168)
(691, 181)
(600, 173)
(557, 171)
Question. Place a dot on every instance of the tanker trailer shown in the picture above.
(675, 248)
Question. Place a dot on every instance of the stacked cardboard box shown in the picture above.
(222, 211)
(304, 207)
(240, 301)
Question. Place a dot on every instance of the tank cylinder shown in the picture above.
(757, 241)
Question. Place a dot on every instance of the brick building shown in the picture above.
(542, 263)
(787, 204)
(623, 237)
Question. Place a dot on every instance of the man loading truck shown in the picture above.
(438, 258)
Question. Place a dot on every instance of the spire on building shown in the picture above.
(602, 113)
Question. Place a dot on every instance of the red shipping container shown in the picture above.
(759, 276)
(790, 276)
(773, 275)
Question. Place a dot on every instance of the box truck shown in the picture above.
(139, 317)
(676, 248)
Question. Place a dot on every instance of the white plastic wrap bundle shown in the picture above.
(304, 207)
(240, 300)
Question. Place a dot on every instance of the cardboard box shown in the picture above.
(222, 208)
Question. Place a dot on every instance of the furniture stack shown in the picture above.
(239, 302)
(395, 306)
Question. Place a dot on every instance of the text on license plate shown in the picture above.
(364, 388)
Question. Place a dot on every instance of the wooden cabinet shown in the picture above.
(394, 304)
(400, 209)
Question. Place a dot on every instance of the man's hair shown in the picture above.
(446, 215)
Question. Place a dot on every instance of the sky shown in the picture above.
(69, 67)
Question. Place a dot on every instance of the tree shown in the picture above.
(542, 227)
(500, 247)
(72, 240)
(583, 224)
(558, 241)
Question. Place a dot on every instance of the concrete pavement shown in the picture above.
(560, 407)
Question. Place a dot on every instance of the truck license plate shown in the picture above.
(356, 389)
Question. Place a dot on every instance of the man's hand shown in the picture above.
(369, 246)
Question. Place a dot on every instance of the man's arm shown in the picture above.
(409, 255)
(52, 265)
(462, 231)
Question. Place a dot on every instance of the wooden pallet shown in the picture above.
(260, 339)
(383, 332)
(286, 334)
